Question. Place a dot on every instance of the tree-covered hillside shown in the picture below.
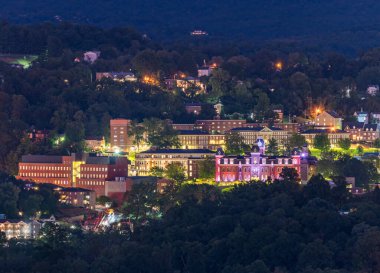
(347, 25)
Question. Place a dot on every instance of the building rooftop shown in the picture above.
(257, 129)
(41, 159)
(333, 114)
(191, 132)
(178, 151)
(74, 190)
(322, 131)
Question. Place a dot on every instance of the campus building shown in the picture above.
(333, 135)
(250, 135)
(195, 139)
(258, 166)
(83, 171)
(188, 158)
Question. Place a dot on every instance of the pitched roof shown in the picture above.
(256, 129)
(333, 114)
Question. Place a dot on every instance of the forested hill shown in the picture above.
(344, 23)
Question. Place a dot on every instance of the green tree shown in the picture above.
(360, 150)
(142, 202)
(176, 172)
(161, 134)
(344, 143)
(272, 148)
(322, 142)
(290, 175)
(206, 168)
(9, 196)
(235, 143)
(296, 141)
(157, 171)
(136, 131)
(376, 143)
(317, 187)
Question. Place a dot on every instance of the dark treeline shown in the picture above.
(256, 228)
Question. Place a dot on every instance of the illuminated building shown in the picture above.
(188, 158)
(19, 229)
(204, 71)
(333, 135)
(95, 143)
(195, 139)
(77, 197)
(360, 131)
(250, 135)
(258, 166)
(83, 171)
(120, 141)
(328, 120)
(218, 125)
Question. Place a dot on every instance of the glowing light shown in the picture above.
(278, 65)
(150, 80)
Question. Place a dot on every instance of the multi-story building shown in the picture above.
(77, 197)
(250, 135)
(258, 166)
(188, 158)
(120, 141)
(362, 132)
(333, 135)
(84, 171)
(328, 120)
(375, 117)
(219, 125)
(19, 229)
(195, 139)
(362, 116)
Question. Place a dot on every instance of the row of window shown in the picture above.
(44, 168)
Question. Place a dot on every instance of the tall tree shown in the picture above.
(235, 143)
(322, 142)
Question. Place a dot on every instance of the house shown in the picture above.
(91, 56)
(95, 143)
(328, 120)
(193, 108)
(117, 76)
(375, 117)
(20, 229)
(372, 90)
(204, 71)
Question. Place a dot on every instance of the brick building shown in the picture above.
(360, 131)
(219, 125)
(84, 171)
(258, 166)
(120, 141)
(77, 197)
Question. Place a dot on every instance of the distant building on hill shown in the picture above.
(91, 56)
(77, 197)
(250, 135)
(20, 229)
(117, 76)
